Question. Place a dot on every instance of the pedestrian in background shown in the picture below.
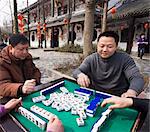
(2, 44)
(141, 42)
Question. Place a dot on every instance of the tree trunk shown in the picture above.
(16, 17)
(88, 27)
(130, 35)
(104, 20)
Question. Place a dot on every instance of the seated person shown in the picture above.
(18, 74)
(141, 105)
(109, 70)
(54, 124)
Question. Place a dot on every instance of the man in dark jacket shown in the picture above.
(18, 74)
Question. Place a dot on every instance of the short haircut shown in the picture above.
(109, 34)
(142, 34)
(16, 39)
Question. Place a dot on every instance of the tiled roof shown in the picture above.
(132, 8)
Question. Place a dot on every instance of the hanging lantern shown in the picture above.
(21, 23)
(65, 21)
(44, 27)
(113, 10)
(38, 30)
(146, 25)
(20, 17)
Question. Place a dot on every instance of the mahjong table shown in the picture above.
(121, 120)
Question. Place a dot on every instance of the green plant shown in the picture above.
(68, 67)
(71, 48)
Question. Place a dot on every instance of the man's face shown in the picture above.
(20, 51)
(142, 36)
(106, 46)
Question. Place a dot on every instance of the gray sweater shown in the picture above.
(114, 75)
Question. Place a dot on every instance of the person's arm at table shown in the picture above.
(133, 76)
(9, 106)
(55, 125)
(140, 104)
(120, 102)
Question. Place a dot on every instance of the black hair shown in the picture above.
(142, 34)
(109, 34)
(18, 39)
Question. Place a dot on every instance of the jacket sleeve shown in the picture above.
(7, 87)
(31, 70)
(133, 75)
(37, 74)
(140, 104)
(83, 68)
(2, 110)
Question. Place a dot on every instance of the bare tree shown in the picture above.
(88, 27)
(15, 16)
(104, 19)
(11, 15)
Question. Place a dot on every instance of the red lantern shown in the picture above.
(146, 25)
(20, 23)
(38, 26)
(39, 31)
(65, 21)
(44, 27)
(113, 10)
(20, 17)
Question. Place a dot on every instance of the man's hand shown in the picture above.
(129, 93)
(28, 86)
(117, 102)
(83, 80)
(55, 125)
(12, 104)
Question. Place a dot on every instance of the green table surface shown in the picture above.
(121, 120)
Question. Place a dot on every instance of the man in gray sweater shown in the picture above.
(109, 70)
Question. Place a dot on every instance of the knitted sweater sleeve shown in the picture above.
(83, 68)
(133, 75)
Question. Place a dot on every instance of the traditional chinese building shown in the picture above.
(130, 18)
(54, 18)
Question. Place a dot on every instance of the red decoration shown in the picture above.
(65, 21)
(44, 27)
(38, 30)
(113, 10)
(20, 17)
(146, 25)
(21, 23)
